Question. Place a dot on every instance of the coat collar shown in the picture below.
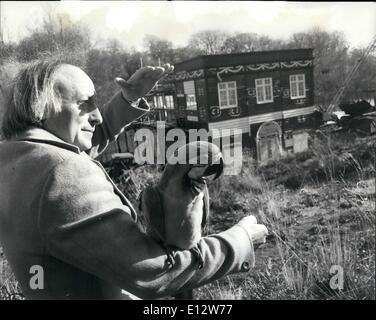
(44, 136)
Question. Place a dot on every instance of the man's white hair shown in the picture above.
(29, 94)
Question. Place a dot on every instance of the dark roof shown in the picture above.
(219, 60)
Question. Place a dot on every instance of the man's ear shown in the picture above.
(59, 90)
(59, 87)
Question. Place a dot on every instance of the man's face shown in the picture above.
(79, 115)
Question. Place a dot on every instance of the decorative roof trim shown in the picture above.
(186, 75)
(189, 75)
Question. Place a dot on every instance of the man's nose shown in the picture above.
(95, 117)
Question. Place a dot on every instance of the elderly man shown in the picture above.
(61, 216)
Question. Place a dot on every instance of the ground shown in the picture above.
(319, 208)
(311, 231)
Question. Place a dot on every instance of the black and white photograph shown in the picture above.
(205, 151)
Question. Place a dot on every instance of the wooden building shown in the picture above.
(268, 95)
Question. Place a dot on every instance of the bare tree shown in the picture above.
(57, 35)
(1, 25)
(363, 84)
(330, 52)
(246, 42)
(208, 41)
(159, 50)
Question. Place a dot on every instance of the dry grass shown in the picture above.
(319, 207)
(303, 247)
(9, 289)
(326, 221)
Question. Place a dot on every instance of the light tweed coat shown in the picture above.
(61, 211)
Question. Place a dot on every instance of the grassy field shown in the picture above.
(319, 207)
(320, 210)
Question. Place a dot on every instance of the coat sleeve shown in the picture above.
(83, 223)
(117, 114)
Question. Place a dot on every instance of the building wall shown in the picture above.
(289, 103)
(246, 92)
(293, 115)
(192, 118)
(215, 113)
(208, 109)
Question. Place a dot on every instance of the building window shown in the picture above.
(158, 102)
(169, 102)
(191, 102)
(190, 95)
(264, 90)
(163, 102)
(227, 95)
(297, 86)
(302, 119)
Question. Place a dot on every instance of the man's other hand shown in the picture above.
(256, 232)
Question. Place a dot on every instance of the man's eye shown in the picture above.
(88, 103)
(84, 104)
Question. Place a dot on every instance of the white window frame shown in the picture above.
(262, 86)
(191, 105)
(227, 90)
(158, 102)
(190, 97)
(294, 82)
(170, 102)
